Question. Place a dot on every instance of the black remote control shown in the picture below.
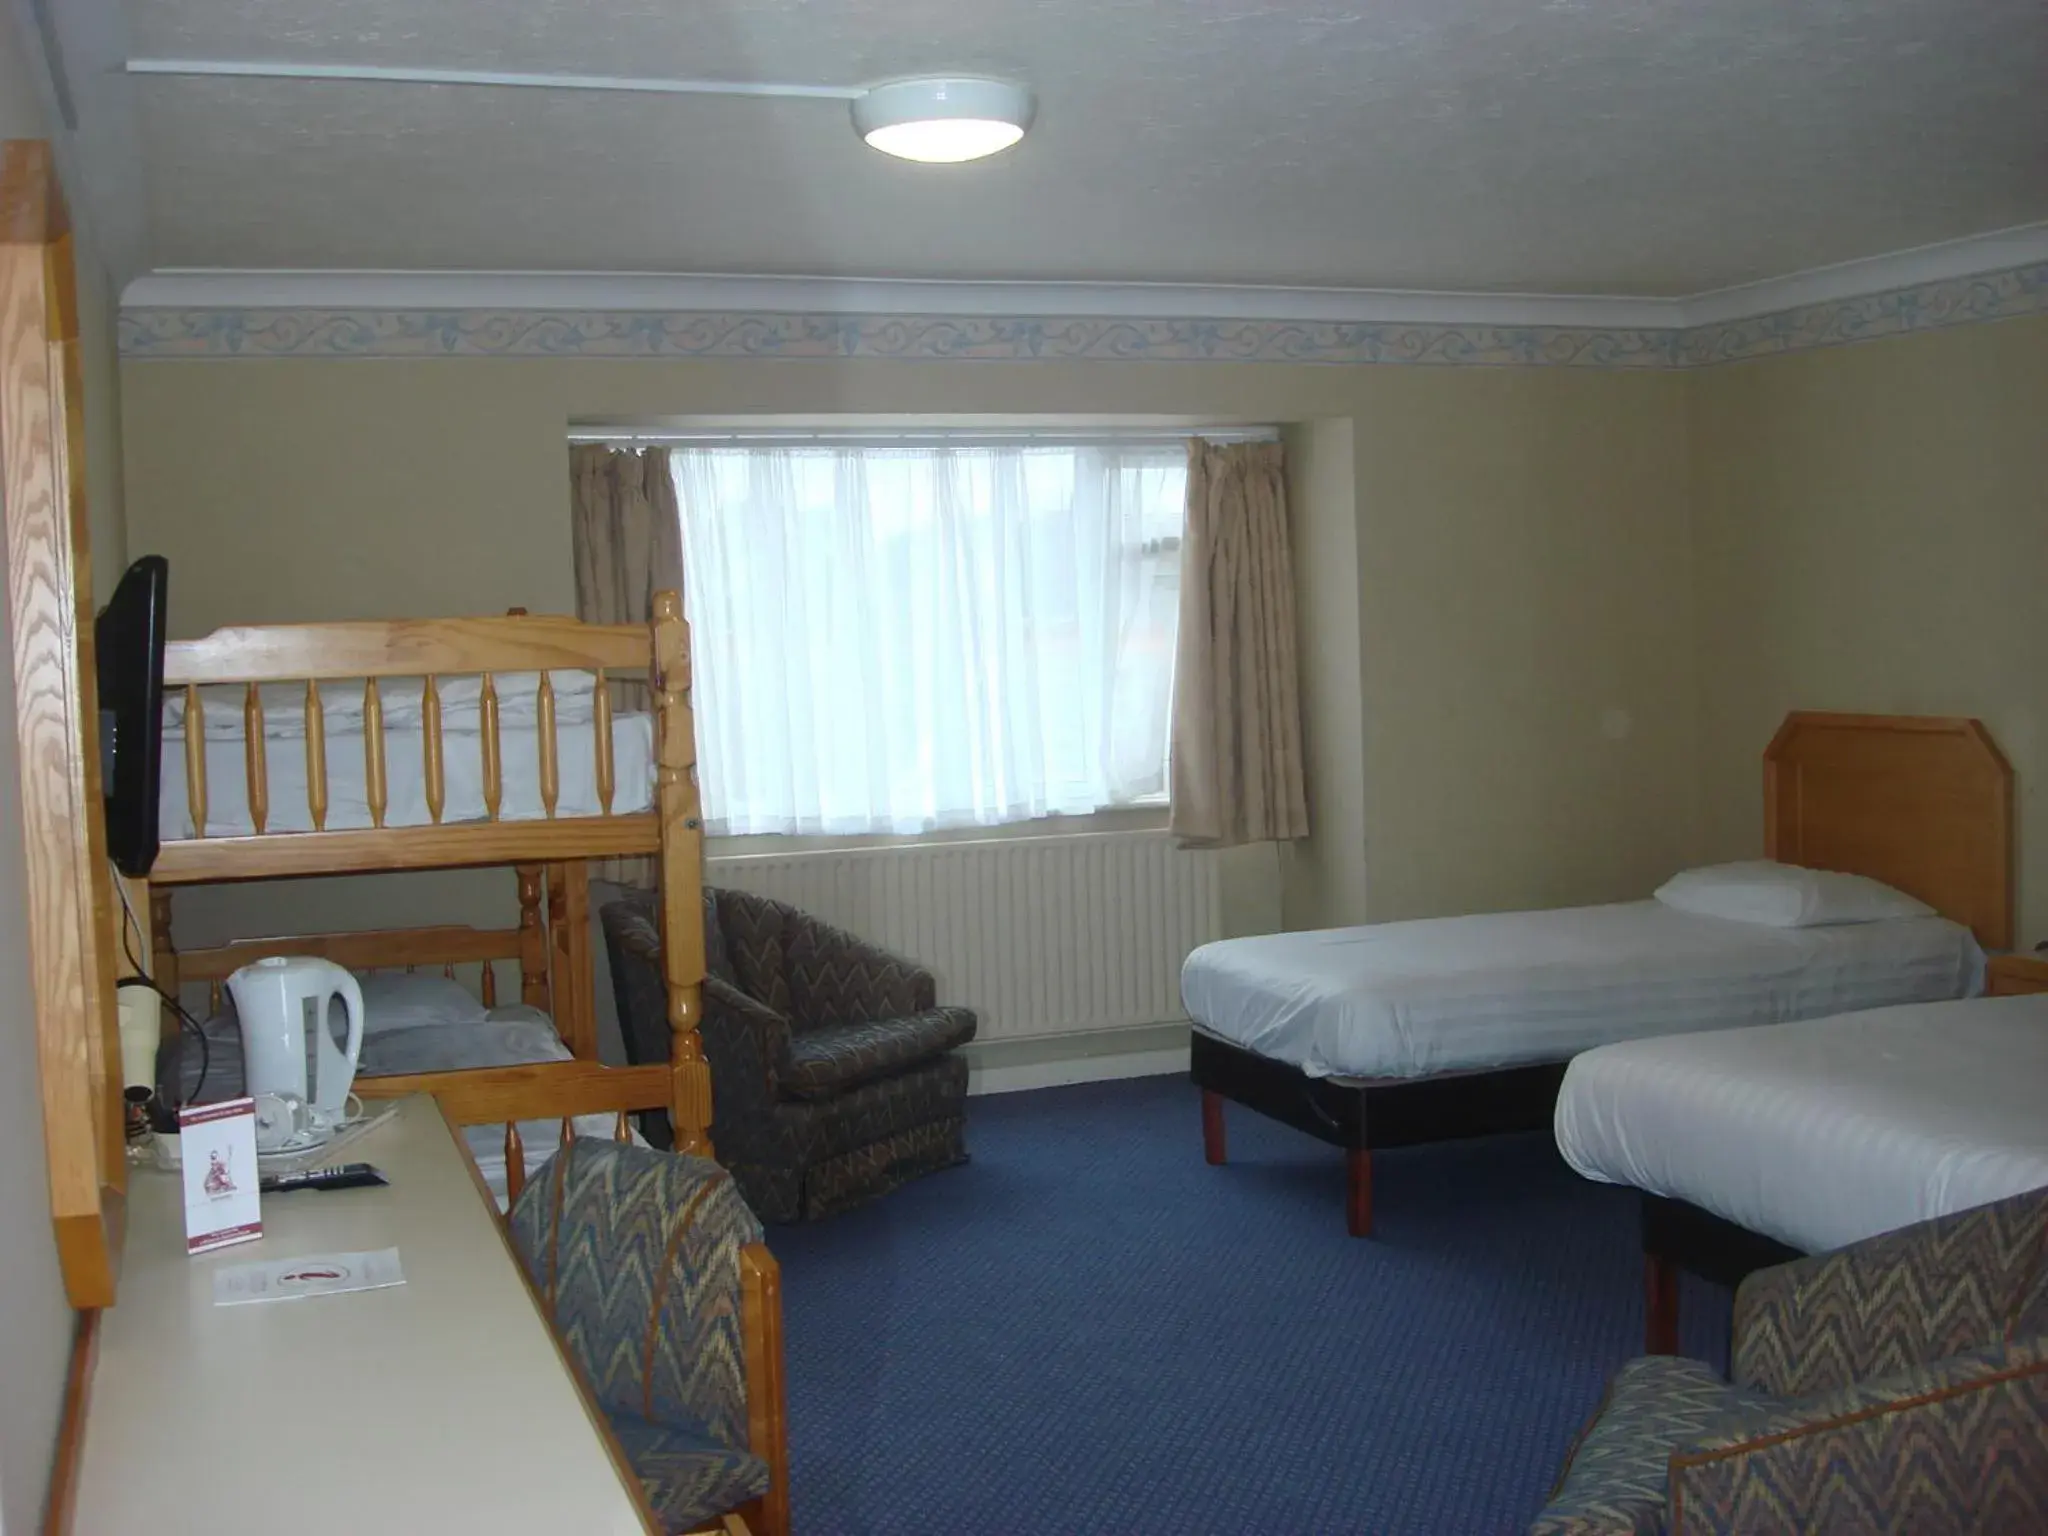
(347, 1176)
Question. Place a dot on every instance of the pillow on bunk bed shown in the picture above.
(412, 1000)
(510, 1037)
(1785, 895)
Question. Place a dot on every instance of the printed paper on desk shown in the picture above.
(311, 1274)
(217, 1146)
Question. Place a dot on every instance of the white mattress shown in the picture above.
(1825, 1131)
(1506, 989)
(227, 796)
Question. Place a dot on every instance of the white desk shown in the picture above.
(438, 1405)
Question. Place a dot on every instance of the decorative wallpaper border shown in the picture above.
(187, 332)
(2006, 295)
(612, 334)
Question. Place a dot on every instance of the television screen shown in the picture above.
(128, 642)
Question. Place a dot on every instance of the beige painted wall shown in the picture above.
(1323, 878)
(1521, 539)
(35, 1321)
(1873, 535)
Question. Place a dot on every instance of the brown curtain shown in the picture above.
(628, 538)
(1236, 759)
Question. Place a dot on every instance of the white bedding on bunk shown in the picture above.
(348, 805)
(1453, 994)
(1824, 1131)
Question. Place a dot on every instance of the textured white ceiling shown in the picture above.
(1624, 146)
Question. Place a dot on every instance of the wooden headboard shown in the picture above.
(1921, 802)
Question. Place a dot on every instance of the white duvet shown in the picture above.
(1824, 1131)
(1507, 989)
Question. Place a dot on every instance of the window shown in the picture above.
(896, 636)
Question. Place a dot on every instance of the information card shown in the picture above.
(217, 1146)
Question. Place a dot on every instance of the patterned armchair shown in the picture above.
(835, 1076)
(651, 1271)
(1896, 1385)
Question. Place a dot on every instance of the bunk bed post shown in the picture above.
(682, 875)
(163, 957)
(574, 989)
(533, 941)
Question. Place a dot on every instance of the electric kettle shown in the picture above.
(279, 1003)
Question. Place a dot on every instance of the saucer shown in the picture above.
(298, 1146)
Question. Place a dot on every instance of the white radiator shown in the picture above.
(1039, 935)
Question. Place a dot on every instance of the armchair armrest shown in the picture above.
(1960, 1444)
(837, 978)
(747, 1044)
(1920, 1294)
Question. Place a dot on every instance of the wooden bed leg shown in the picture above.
(1358, 1192)
(1660, 1305)
(1213, 1146)
(767, 1394)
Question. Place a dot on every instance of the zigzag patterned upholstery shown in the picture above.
(1895, 1300)
(636, 1256)
(834, 1075)
(1959, 1445)
(1615, 1477)
(1898, 1385)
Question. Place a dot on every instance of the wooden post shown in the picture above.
(255, 768)
(573, 988)
(373, 751)
(195, 759)
(601, 739)
(1358, 1192)
(544, 736)
(487, 731)
(316, 756)
(767, 1395)
(1213, 1143)
(515, 1163)
(430, 748)
(533, 941)
(682, 875)
(163, 969)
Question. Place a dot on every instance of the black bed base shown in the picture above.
(1366, 1117)
(1678, 1235)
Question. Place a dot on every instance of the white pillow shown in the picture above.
(411, 999)
(1785, 896)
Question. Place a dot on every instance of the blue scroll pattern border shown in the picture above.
(462, 333)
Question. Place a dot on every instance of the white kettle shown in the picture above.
(279, 1002)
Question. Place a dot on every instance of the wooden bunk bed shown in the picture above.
(313, 664)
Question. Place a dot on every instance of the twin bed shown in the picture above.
(1401, 1033)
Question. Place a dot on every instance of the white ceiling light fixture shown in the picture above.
(943, 119)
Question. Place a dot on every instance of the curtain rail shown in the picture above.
(930, 437)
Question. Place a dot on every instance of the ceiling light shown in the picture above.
(943, 120)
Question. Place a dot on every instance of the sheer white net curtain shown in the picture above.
(896, 637)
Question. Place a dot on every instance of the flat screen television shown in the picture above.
(128, 645)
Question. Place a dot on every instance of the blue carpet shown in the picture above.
(1088, 1329)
